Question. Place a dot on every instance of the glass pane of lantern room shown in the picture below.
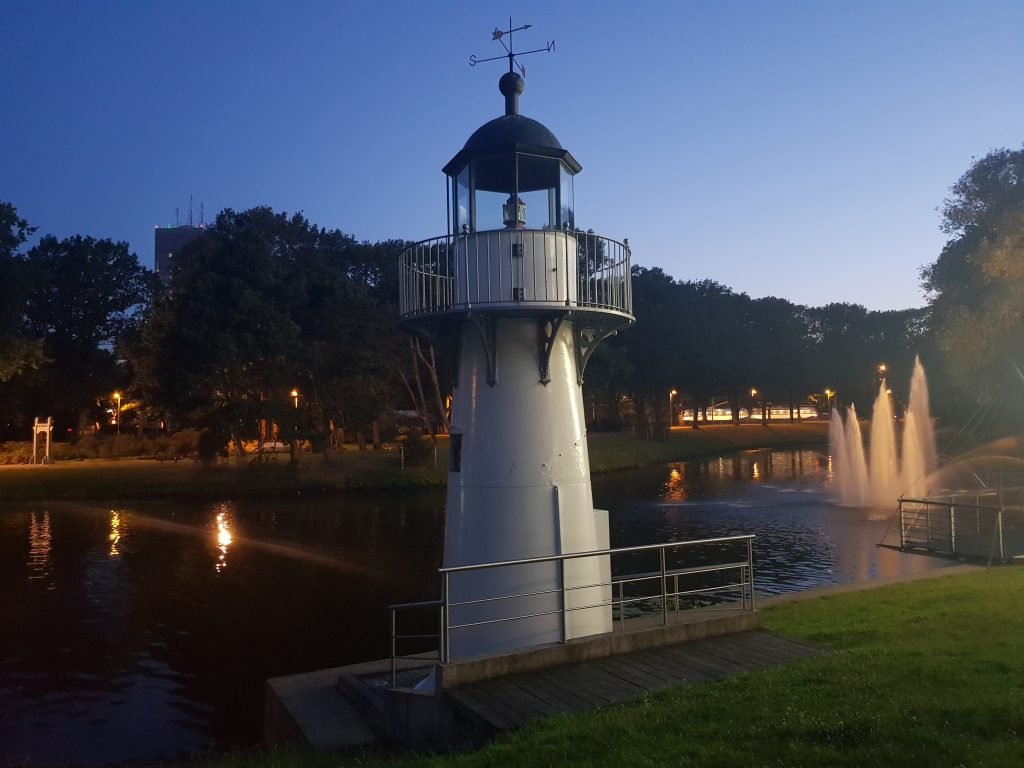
(493, 181)
(538, 188)
(461, 213)
(566, 203)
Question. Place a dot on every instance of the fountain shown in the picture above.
(887, 474)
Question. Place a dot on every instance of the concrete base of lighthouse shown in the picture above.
(519, 487)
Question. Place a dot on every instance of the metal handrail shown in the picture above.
(745, 585)
(963, 526)
(515, 269)
(595, 552)
(395, 637)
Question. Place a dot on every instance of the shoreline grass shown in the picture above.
(136, 479)
(923, 673)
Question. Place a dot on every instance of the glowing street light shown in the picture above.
(828, 400)
(295, 397)
(882, 368)
(117, 412)
(671, 394)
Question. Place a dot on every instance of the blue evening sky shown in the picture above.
(794, 149)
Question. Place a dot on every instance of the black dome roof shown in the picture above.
(510, 134)
(510, 129)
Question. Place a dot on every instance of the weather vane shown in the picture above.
(509, 54)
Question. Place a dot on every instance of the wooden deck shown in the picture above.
(508, 702)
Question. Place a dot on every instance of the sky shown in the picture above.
(791, 149)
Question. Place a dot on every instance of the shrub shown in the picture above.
(418, 449)
(210, 443)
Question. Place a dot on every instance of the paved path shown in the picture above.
(508, 702)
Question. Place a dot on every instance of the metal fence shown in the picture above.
(985, 524)
(689, 574)
(515, 269)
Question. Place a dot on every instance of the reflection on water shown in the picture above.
(168, 618)
(40, 541)
(115, 532)
(782, 497)
(222, 522)
(147, 632)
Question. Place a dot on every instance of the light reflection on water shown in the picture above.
(146, 632)
(782, 497)
(40, 541)
(116, 532)
(224, 512)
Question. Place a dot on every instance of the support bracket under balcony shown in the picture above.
(547, 332)
(487, 327)
(587, 338)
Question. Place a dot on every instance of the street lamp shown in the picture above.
(295, 397)
(671, 394)
(882, 368)
(117, 413)
(828, 400)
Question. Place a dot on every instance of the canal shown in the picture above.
(145, 631)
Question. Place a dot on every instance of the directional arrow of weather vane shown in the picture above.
(499, 35)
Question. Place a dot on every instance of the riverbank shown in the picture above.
(919, 673)
(105, 479)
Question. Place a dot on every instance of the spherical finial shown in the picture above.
(511, 85)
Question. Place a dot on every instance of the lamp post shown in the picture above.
(671, 394)
(117, 412)
(882, 368)
(295, 397)
(828, 400)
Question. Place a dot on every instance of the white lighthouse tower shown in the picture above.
(523, 298)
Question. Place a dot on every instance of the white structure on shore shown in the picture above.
(524, 298)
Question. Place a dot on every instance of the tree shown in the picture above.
(976, 285)
(18, 352)
(264, 303)
(83, 296)
(779, 356)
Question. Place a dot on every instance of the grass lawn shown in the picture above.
(928, 673)
(100, 479)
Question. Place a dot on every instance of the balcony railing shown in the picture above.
(515, 270)
(986, 524)
(704, 573)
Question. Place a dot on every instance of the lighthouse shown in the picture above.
(522, 297)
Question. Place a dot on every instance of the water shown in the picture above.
(786, 498)
(146, 631)
(888, 474)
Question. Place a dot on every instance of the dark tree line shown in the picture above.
(710, 344)
(270, 319)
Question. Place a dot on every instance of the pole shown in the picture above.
(664, 590)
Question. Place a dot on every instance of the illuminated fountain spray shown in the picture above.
(887, 474)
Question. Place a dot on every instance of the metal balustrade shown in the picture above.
(514, 270)
(986, 524)
(663, 589)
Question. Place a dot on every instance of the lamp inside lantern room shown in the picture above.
(514, 213)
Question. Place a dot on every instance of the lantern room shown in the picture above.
(512, 173)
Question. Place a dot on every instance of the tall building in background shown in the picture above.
(169, 243)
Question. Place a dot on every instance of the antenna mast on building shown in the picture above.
(190, 209)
